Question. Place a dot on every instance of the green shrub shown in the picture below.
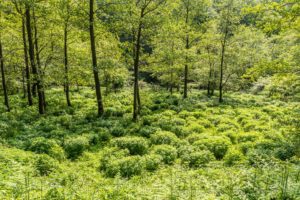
(54, 194)
(125, 166)
(135, 145)
(216, 144)
(185, 149)
(152, 162)
(74, 147)
(130, 166)
(258, 159)
(43, 145)
(147, 131)
(194, 137)
(246, 147)
(44, 165)
(198, 159)
(233, 157)
(118, 131)
(109, 161)
(285, 151)
(167, 152)
(194, 128)
(232, 135)
(103, 135)
(248, 137)
(164, 137)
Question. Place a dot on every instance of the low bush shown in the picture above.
(167, 152)
(194, 137)
(118, 131)
(194, 128)
(74, 147)
(54, 194)
(198, 159)
(216, 144)
(164, 137)
(232, 157)
(43, 145)
(248, 137)
(44, 165)
(135, 145)
(109, 160)
(152, 162)
(130, 166)
(147, 131)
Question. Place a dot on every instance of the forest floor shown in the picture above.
(180, 149)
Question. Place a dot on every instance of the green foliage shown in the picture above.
(217, 145)
(152, 162)
(167, 152)
(74, 147)
(198, 159)
(135, 145)
(233, 157)
(43, 145)
(45, 165)
(164, 137)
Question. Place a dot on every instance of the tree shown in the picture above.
(94, 60)
(6, 102)
(145, 8)
(228, 21)
(35, 71)
(25, 49)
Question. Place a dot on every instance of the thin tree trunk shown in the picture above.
(27, 69)
(67, 87)
(186, 67)
(136, 101)
(6, 102)
(39, 68)
(23, 82)
(221, 74)
(32, 61)
(94, 61)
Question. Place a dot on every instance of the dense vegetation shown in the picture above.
(149, 99)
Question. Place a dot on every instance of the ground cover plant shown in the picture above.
(149, 99)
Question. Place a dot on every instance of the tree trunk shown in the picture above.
(32, 61)
(6, 102)
(221, 74)
(94, 61)
(66, 86)
(136, 96)
(187, 46)
(23, 82)
(27, 69)
(39, 68)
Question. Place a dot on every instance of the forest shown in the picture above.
(150, 99)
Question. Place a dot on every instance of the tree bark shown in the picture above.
(136, 96)
(187, 46)
(39, 68)
(6, 102)
(67, 87)
(27, 69)
(221, 74)
(94, 61)
(32, 61)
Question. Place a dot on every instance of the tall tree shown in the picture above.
(94, 59)
(32, 60)
(66, 61)
(144, 8)
(25, 49)
(38, 60)
(6, 102)
(228, 22)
